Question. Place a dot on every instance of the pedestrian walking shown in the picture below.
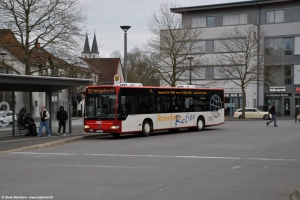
(44, 121)
(62, 117)
(273, 112)
(297, 109)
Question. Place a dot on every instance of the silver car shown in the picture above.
(253, 113)
(7, 117)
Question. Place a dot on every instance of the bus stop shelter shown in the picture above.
(27, 83)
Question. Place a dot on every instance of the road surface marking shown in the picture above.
(158, 156)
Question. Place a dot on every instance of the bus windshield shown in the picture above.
(100, 106)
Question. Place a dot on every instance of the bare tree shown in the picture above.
(116, 54)
(240, 58)
(54, 24)
(173, 43)
(141, 67)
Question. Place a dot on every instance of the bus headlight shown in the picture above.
(114, 127)
(86, 126)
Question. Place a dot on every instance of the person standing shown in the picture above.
(297, 112)
(44, 121)
(273, 111)
(62, 117)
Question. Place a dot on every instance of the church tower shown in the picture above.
(94, 52)
(86, 48)
(87, 53)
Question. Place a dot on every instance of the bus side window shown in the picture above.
(143, 108)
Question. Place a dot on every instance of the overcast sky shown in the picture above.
(106, 17)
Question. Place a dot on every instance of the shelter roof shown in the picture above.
(27, 83)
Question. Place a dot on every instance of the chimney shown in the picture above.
(37, 44)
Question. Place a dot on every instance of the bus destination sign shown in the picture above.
(172, 92)
(101, 91)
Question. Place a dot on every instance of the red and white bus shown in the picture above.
(130, 108)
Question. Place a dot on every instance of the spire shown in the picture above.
(86, 48)
(95, 46)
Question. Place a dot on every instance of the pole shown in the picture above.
(190, 58)
(3, 55)
(190, 71)
(125, 57)
(125, 29)
(258, 63)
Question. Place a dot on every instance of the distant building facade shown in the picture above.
(279, 20)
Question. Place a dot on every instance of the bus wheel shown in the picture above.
(115, 135)
(146, 128)
(200, 124)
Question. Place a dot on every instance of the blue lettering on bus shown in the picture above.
(189, 117)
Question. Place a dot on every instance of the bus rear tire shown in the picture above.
(200, 124)
(146, 128)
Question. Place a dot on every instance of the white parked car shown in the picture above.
(253, 113)
(7, 117)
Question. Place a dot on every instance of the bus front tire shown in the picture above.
(200, 124)
(146, 128)
(115, 135)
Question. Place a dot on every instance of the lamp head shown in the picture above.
(125, 28)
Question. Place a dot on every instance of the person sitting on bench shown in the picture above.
(31, 125)
(22, 124)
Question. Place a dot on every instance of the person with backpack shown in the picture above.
(62, 117)
(22, 124)
(44, 122)
(31, 125)
(273, 112)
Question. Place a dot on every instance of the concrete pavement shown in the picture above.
(9, 143)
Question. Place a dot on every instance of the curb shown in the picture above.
(48, 144)
(295, 195)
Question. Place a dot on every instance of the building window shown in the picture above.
(210, 21)
(198, 22)
(233, 45)
(198, 47)
(279, 46)
(3, 71)
(229, 72)
(287, 75)
(195, 47)
(274, 16)
(287, 46)
(278, 75)
(219, 73)
(234, 19)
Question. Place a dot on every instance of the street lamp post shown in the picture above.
(3, 55)
(125, 29)
(190, 58)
